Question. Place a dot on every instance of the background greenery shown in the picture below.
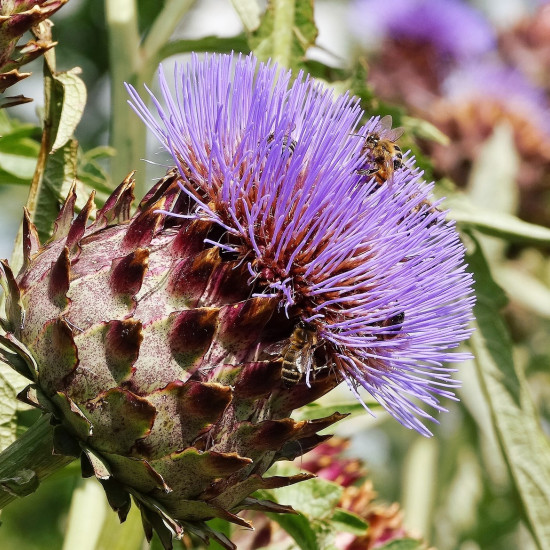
(483, 481)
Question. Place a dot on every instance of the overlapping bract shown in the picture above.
(378, 273)
(16, 18)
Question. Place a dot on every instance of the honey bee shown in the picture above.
(394, 324)
(297, 355)
(287, 143)
(429, 209)
(382, 156)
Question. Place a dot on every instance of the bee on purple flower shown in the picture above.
(172, 344)
(338, 257)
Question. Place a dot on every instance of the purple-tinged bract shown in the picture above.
(377, 273)
(16, 18)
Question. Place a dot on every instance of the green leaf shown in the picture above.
(64, 167)
(22, 138)
(493, 179)
(355, 82)
(315, 498)
(11, 383)
(348, 522)
(338, 78)
(300, 529)
(72, 106)
(493, 195)
(8, 408)
(91, 171)
(18, 165)
(7, 123)
(19, 147)
(155, 543)
(116, 536)
(10, 179)
(59, 173)
(221, 526)
(88, 510)
(98, 153)
(22, 484)
(527, 290)
(497, 224)
(237, 43)
(249, 12)
(403, 544)
(516, 422)
(286, 32)
(493, 184)
(423, 129)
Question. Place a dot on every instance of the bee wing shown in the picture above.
(388, 166)
(275, 349)
(386, 131)
(304, 359)
(395, 134)
(385, 123)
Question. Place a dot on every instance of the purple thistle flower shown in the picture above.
(378, 273)
(455, 28)
(485, 82)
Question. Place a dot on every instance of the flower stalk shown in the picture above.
(134, 62)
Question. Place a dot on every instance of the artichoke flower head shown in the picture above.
(159, 341)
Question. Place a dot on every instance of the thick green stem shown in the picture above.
(135, 65)
(159, 35)
(283, 29)
(42, 32)
(28, 461)
(127, 131)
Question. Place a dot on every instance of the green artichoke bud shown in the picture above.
(143, 343)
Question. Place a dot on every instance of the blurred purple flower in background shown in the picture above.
(454, 28)
(376, 273)
(496, 81)
(478, 96)
(526, 46)
(445, 62)
(414, 44)
(503, 93)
